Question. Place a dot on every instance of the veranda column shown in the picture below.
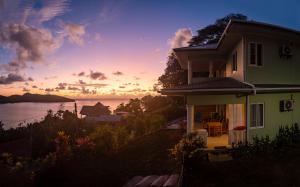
(190, 118)
(190, 72)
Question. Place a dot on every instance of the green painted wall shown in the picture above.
(273, 117)
(275, 70)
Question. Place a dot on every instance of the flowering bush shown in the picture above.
(62, 144)
(189, 148)
(84, 146)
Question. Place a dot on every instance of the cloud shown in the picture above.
(97, 75)
(34, 86)
(30, 79)
(73, 88)
(122, 87)
(81, 74)
(81, 82)
(29, 44)
(51, 77)
(136, 78)
(49, 90)
(61, 86)
(110, 10)
(74, 32)
(98, 37)
(50, 9)
(31, 12)
(118, 73)
(181, 38)
(11, 78)
(26, 90)
(88, 91)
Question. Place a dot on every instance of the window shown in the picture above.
(234, 62)
(255, 54)
(257, 115)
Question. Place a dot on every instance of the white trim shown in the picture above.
(232, 89)
(207, 90)
(258, 127)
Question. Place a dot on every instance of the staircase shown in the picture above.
(154, 181)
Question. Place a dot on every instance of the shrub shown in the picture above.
(189, 150)
(288, 136)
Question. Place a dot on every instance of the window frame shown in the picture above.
(256, 54)
(263, 121)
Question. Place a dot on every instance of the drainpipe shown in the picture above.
(248, 110)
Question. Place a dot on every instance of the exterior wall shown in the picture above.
(214, 99)
(273, 118)
(275, 70)
(239, 74)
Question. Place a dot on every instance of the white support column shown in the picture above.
(190, 72)
(190, 118)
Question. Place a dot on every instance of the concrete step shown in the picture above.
(172, 181)
(160, 181)
(133, 181)
(146, 181)
(153, 181)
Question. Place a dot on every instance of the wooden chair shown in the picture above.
(214, 128)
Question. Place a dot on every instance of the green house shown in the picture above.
(250, 80)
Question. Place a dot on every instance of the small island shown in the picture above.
(35, 98)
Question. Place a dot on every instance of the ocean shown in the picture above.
(15, 114)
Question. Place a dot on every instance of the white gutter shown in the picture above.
(231, 89)
(207, 90)
(252, 86)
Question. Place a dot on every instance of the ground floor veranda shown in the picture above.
(221, 119)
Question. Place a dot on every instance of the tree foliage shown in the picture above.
(174, 75)
(212, 33)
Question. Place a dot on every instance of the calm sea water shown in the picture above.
(14, 114)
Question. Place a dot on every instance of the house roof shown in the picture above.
(105, 118)
(95, 110)
(232, 22)
(232, 34)
(224, 85)
(227, 85)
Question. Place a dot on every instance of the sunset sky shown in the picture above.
(108, 48)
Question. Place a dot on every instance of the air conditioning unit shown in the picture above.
(286, 105)
(285, 51)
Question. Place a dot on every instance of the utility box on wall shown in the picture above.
(286, 105)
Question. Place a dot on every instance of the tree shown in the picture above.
(212, 33)
(174, 75)
(134, 106)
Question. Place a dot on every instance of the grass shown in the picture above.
(145, 156)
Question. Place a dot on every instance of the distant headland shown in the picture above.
(35, 98)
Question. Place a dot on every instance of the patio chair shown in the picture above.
(215, 129)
